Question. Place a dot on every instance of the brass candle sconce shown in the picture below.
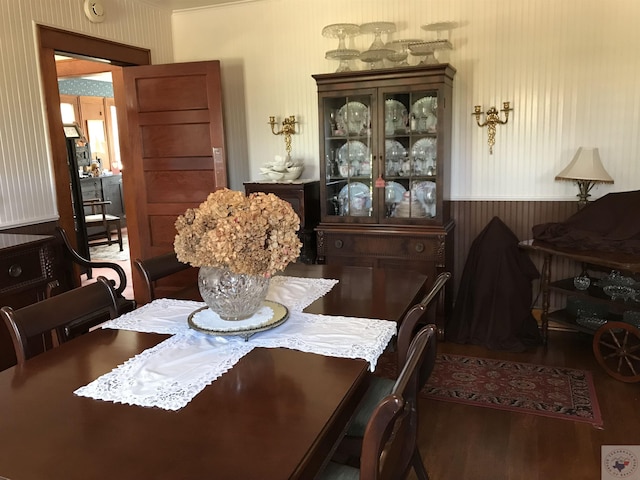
(492, 118)
(288, 129)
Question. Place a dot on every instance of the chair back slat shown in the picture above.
(384, 448)
(420, 312)
(155, 268)
(390, 439)
(39, 326)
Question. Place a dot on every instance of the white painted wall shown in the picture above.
(570, 69)
(27, 194)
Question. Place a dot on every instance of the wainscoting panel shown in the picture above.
(472, 216)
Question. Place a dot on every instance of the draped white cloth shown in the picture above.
(170, 374)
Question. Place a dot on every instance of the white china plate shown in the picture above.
(398, 189)
(352, 195)
(394, 150)
(425, 114)
(425, 150)
(395, 113)
(353, 152)
(425, 193)
(354, 117)
(206, 321)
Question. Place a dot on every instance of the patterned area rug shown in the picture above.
(111, 252)
(563, 393)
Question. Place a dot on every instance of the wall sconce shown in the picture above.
(288, 129)
(492, 118)
(585, 170)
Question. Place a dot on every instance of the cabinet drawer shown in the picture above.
(415, 247)
(22, 269)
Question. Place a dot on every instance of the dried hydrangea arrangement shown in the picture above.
(253, 234)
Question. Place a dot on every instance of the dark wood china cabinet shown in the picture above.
(385, 145)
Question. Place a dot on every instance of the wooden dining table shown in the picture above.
(277, 414)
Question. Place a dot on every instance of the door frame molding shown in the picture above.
(50, 41)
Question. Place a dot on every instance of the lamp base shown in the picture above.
(584, 187)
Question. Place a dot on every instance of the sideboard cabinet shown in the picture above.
(303, 195)
(385, 143)
(27, 264)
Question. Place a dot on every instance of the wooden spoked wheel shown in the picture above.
(616, 346)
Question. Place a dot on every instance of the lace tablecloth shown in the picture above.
(170, 374)
(170, 316)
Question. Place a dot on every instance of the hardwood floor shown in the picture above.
(475, 443)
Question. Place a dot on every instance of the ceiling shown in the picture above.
(182, 4)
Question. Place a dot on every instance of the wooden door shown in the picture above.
(175, 154)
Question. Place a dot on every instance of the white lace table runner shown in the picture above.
(170, 374)
(170, 316)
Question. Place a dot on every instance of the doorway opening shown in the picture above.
(102, 56)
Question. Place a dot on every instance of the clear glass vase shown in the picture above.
(233, 296)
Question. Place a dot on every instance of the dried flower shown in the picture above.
(253, 234)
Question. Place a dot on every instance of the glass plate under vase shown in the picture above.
(233, 296)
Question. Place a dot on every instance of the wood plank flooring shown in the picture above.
(461, 442)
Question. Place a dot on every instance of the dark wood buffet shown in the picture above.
(27, 265)
(304, 197)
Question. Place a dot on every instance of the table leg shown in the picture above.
(545, 281)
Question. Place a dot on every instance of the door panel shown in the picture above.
(174, 125)
(159, 140)
(167, 187)
(172, 93)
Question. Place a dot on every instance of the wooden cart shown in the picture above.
(616, 344)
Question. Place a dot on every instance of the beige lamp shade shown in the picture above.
(586, 165)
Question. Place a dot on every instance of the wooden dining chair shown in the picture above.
(124, 304)
(45, 324)
(389, 448)
(379, 386)
(155, 268)
(100, 218)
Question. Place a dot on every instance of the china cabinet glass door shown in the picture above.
(410, 155)
(348, 169)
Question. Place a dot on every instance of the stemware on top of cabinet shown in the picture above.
(342, 31)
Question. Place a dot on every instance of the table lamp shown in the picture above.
(585, 170)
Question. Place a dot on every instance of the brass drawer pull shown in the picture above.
(15, 270)
(420, 247)
(339, 243)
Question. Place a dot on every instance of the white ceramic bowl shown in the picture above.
(293, 173)
(275, 175)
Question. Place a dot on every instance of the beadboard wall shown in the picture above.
(27, 194)
(570, 69)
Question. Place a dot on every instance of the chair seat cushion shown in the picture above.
(98, 218)
(378, 389)
(336, 471)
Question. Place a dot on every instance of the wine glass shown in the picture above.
(389, 198)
